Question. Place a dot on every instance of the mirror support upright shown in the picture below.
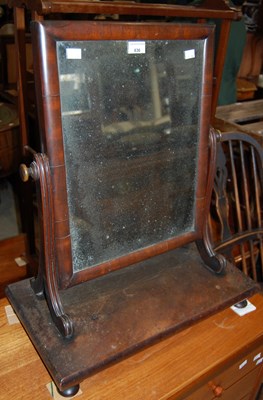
(45, 284)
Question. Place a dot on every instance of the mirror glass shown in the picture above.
(130, 120)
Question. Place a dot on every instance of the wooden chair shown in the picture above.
(236, 207)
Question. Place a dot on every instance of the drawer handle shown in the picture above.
(217, 389)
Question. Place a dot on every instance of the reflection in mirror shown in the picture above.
(130, 118)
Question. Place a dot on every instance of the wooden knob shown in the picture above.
(217, 389)
(24, 172)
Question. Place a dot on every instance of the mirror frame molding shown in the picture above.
(45, 35)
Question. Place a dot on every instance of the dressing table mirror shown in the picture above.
(124, 182)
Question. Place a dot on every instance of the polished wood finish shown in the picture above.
(187, 363)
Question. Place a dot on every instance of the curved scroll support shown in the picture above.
(46, 281)
(215, 262)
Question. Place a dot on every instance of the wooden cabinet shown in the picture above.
(223, 351)
(238, 381)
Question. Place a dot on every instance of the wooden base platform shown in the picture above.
(122, 312)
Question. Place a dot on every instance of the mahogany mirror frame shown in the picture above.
(45, 35)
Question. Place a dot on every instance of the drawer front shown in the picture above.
(242, 388)
(241, 368)
(237, 381)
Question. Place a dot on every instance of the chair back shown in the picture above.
(235, 221)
